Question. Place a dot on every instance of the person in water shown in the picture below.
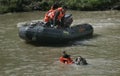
(65, 58)
(65, 55)
(80, 61)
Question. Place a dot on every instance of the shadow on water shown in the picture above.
(78, 41)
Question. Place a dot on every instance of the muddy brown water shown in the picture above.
(102, 51)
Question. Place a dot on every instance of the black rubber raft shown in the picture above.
(36, 32)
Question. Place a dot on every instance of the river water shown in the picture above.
(102, 51)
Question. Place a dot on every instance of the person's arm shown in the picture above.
(62, 21)
(55, 18)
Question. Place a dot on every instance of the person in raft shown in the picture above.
(48, 19)
(65, 58)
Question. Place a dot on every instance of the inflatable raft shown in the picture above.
(37, 32)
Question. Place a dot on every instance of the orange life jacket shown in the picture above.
(66, 60)
(61, 10)
(47, 15)
(51, 13)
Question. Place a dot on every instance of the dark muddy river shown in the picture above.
(102, 51)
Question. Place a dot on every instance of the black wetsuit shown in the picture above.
(66, 56)
(56, 21)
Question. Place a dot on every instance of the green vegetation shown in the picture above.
(30, 5)
(91, 4)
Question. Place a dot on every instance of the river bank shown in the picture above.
(43, 5)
